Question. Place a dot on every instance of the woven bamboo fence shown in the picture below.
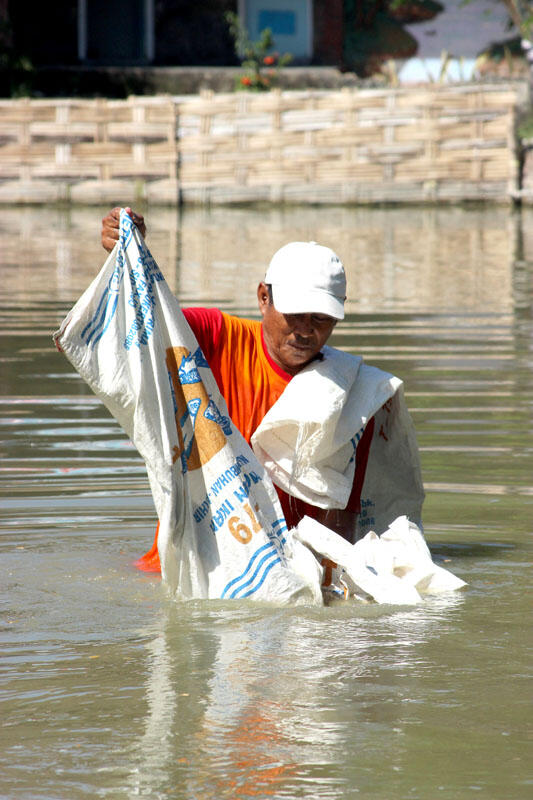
(87, 151)
(437, 143)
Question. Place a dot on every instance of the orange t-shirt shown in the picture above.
(250, 383)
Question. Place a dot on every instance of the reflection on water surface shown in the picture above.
(109, 689)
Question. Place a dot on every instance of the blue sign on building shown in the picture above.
(289, 20)
(280, 22)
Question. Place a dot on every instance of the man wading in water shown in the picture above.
(300, 300)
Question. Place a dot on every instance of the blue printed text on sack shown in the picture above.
(219, 516)
(223, 479)
(142, 300)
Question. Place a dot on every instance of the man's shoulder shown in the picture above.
(339, 365)
(240, 327)
(201, 315)
(240, 321)
(334, 358)
(215, 318)
(351, 373)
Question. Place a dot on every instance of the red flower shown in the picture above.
(268, 60)
(246, 81)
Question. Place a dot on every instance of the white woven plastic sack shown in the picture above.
(394, 568)
(222, 533)
(308, 440)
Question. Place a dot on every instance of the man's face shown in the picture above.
(292, 340)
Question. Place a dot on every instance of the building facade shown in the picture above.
(169, 32)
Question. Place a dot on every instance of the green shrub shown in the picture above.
(261, 64)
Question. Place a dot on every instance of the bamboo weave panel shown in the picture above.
(450, 135)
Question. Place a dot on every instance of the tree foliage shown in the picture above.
(375, 32)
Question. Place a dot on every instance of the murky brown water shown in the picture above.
(108, 689)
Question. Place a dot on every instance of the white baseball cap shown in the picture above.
(307, 278)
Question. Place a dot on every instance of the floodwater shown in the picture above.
(108, 689)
